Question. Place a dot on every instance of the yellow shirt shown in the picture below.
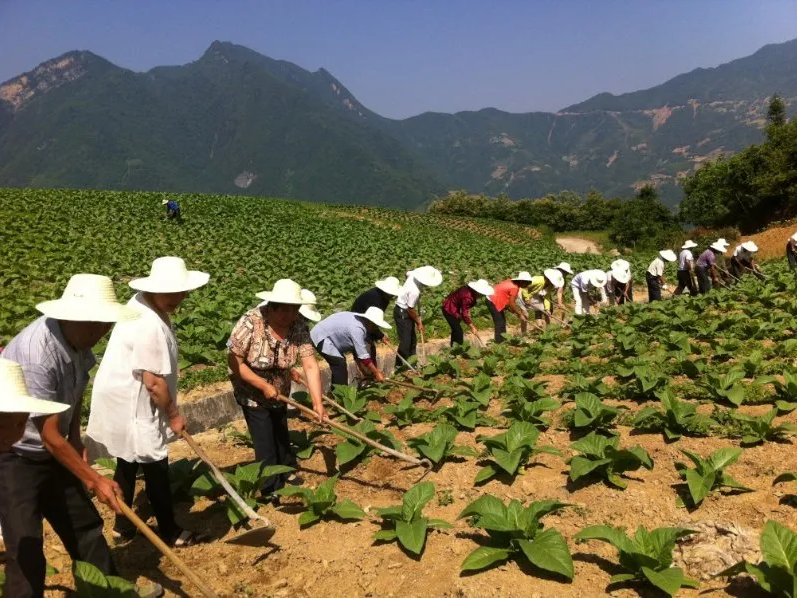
(535, 288)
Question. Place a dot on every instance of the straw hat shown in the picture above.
(428, 276)
(14, 395)
(555, 277)
(285, 291)
(375, 315)
(668, 254)
(717, 246)
(88, 298)
(565, 267)
(164, 202)
(722, 241)
(598, 278)
(390, 285)
(169, 275)
(794, 237)
(750, 246)
(482, 287)
(307, 310)
(522, 277)
(621, 276)
(621, 264)
(690, 244)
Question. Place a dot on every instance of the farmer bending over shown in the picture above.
(172, 210)
(584, 285)
(505, 296)
(379, 296)
(456, 308)
(537, 296)
(743, 261)
(706, 267)
(406, 312)
(655, 274)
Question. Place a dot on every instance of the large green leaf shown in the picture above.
(549, 551)
(347, 452)
(615, 537)
(412, 535)
(509, 462)
(415, 499)
(722, 458)
(90, 582)
(486, 504)
(668, 580)
(483, 557)
(581, 466)
(699, 485)
(346, 509)
(779, 546)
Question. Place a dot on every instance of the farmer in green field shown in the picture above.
(134, 397)
(505, 298)
(537, 296)
(263, 347)
(45, 475)
(623, 282)
(706, 267)
(743, 260)
(457, 306)
(172, 210)
(686, 266)
(566, 270)
(348, 332)
(379, 296)
(791, 251)
(655, 274)
(406, 312)
(584, 285)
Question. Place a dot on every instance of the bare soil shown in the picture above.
(577, 245)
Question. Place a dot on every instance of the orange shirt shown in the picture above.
(505, 294)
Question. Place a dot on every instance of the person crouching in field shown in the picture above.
(505, 296)
(743, 261)
(655, 274)
(263, 347)
(134, 397)
(172, 210)
(348, 332)
(706, 267)
(617, 285)
(537, 296)
(584, 285)
(46, 475)
(406, 312)
(379, 296)
(686, 266)
(457, 306)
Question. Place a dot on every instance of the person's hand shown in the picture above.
(177, 424)
(420, 327)
(523, 318)
(296, 376)
(379, 377)
(474, 330)
(270, 392)
(106, 492)
(385, 340)
(320, 412)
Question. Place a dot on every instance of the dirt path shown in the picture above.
(577, 245)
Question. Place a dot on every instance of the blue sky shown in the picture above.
(403, 57)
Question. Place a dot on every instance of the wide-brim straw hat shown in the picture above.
(284, 291)
(555, 277)
(620, 275)
(750, 246)
(390, 285)
(88, 298)
(621, 264)
(482, 287)
(565, 267)
(668, 254)
(170, 275)
(164, 202)
(428, 276)
(14, 395)
(717, 246)
(522, 277)
(794, 237)
(377, 316)
(723, 241)
(689, 245)
(598, 278)
(307, 309)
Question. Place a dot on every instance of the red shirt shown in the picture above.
(458, 303)
(505, 294)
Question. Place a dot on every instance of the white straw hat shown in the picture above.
(621, 264)
(750, 246)
(390, 285)
(717, 246)
(621, 276)
(14, 395)
(555, 277)
(375, 315)
(668, 254)
(482, 287)
(285, 291)
(722, 241)
(428, 276)
(690, 244)
(794, 237)
(307, 310)
(169, 275)
(523, 277)
(164, 202)
(598, 278)
(565, 267)
(88, 298)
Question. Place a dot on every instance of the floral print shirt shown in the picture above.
(266, 356)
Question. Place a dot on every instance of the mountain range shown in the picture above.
(235, 121)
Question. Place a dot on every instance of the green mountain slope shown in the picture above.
(237, 121)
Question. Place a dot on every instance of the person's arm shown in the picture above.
(159, 394)
(466, 305)
(64, 452)
(560, 296)
(313, 376)
(513, 306)
(74, 432)
(413, 314)
(241, 370)
(604, 298)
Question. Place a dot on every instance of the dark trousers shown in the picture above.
(338, 367)
(159, 495)
(269, 430)
(685, 282)
(739, 267)
(405, 329)
(31, 491)
(791, 257)
(654, 287)
(619, 293)
(499, 321)
(703, 280)
(457, 335)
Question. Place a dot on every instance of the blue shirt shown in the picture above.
(54, 371)
(172, 205)
(343, 332)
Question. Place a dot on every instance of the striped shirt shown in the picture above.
(54, 371)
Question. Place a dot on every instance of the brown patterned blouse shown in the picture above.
(268, 357)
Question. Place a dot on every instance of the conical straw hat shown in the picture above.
(88, 298)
